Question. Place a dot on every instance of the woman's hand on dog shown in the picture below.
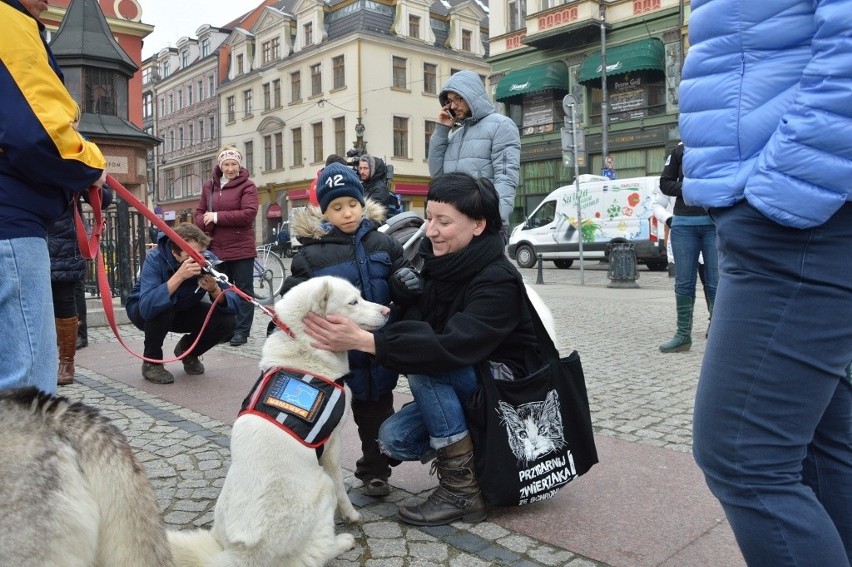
(338, 334)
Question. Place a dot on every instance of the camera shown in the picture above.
(211, 257)
(354, 155)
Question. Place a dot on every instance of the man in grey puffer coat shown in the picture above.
(492, 144)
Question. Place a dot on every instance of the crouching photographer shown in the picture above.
(169, 296)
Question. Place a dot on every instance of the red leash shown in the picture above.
(90, 249)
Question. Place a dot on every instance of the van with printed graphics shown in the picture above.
(612, 211)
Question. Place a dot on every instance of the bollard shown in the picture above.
(622, 265)
(540, 279)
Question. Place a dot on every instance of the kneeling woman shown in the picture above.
(472, 318)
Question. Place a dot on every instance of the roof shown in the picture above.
(84, 38)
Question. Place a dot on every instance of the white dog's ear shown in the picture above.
(322, 297)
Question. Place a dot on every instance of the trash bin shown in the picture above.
(622, 265)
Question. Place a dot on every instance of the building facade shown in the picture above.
(303, 79)
(541, 50)
(181, 102)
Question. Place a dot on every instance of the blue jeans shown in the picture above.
(434, 420)
(29, 356)
(688, 241)
(773, 411)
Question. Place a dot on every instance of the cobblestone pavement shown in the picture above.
(636, 394)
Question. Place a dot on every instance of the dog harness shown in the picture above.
(306, 406)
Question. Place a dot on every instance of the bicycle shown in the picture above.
(269, 274)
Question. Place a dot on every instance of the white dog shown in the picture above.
(278, 502)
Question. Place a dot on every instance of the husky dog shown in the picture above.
(71, 490)
(278, 502)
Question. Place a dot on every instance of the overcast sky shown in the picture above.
(173, 19)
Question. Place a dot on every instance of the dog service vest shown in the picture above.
(307, 407)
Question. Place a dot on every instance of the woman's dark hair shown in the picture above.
(474, 198)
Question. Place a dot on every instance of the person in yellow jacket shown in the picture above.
(43, 161)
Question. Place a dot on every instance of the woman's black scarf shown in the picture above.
(446, 276)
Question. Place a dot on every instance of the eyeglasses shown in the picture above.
(456, 100)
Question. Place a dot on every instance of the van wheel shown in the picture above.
(563, 264)
(525, 256)
(657, 266)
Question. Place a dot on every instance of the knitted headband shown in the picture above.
(230, 154)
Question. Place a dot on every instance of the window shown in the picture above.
(184, 58)
(180, 137)
(276, 93)
(205, 47)
(267, 97)
(297, 147)
(267, 52)
(148, 105)
(162, 106)
(171, 103)
(316, 80)
(296, 86)
(212, 127)
(172, 145)
(429, 130)
(240, 64)
(267, 154)
(166, 68)
(338, 72)
(168, 184)
(414, 27)
(279, 149)
(276, 48)
(190, 141)
(232, 107)
(517, 14)
(466, 35)
(249, 156)
(189, 96)
(430, 78)
(100, 91)
(247, 103)
(309, 33)
(340, 136)
(180, 99)
(146, 75)
(318, 155)
(400, 137)
(211, 86)
(399, 81)
(201, 130)
(200, 89)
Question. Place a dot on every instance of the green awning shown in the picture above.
(637, 56)
(532, 79)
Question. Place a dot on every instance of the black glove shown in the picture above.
(409, 279)
(669, 222)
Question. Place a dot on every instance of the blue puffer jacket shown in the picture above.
(367, 259)
(150, 294)
(485, 144)
(66, 263)
(765, 107)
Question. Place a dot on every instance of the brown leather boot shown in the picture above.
(66, 338)
(457, 497)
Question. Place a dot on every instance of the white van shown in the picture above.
(613, 211)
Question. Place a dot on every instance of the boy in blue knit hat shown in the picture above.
(340, 239)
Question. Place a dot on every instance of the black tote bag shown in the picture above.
(533, 435)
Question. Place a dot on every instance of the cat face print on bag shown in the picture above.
(533, 429)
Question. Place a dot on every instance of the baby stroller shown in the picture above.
(408, 229)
